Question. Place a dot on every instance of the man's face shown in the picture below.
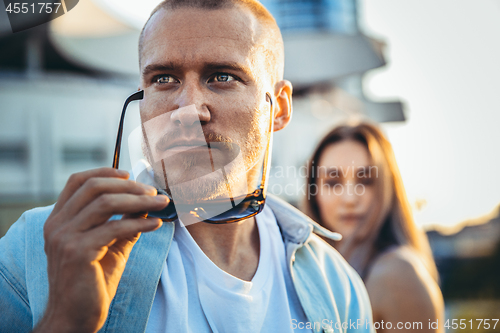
(203, 67)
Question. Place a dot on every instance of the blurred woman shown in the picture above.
(354, 188)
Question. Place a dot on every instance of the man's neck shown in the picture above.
(233, 247)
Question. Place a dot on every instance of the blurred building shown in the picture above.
(59, 113)
(477, 239)
(62, 86)
(468, 259)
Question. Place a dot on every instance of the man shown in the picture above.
(69, 268)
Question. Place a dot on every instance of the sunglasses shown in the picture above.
(208, 211)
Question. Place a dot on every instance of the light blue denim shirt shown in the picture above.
(331, 293)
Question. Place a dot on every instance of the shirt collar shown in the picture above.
(295, 225)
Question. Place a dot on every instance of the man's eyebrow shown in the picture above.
(158, 68)
(212, 66)
(221, 66)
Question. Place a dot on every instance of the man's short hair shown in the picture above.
(269, 39)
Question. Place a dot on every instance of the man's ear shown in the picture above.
(283, 110)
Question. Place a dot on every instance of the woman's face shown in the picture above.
(346, 186)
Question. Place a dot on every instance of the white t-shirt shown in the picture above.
(194, 295)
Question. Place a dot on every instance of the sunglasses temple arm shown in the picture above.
(266, 156)
(134, 97)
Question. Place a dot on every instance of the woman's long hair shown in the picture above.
(392, 222)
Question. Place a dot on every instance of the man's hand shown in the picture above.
(86, 254)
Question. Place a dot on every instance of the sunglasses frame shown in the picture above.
(258, 193)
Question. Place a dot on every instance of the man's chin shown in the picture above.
(197, 191)
(229, 181)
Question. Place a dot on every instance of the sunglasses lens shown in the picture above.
(249, 206)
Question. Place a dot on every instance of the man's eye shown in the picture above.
(223, 77)
(165, 79)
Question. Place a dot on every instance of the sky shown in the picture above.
(443, 63)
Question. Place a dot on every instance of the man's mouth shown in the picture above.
(180, 145)
(178, 149)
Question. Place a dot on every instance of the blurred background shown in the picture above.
(426, 70)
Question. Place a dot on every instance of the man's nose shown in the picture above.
(192, 107)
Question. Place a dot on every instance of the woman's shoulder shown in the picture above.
(398, 267)
(399, 262)
(399, 277)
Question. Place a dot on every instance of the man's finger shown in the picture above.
(117, 230)
(76, 180)
(101, 209)
(97, 186)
